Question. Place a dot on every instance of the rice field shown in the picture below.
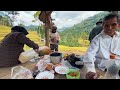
(4, 30)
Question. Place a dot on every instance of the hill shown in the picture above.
(4, 30)
(77, 35)
(31, 27)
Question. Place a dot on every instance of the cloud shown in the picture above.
(69, 18)
(25, 17)
(62, 18)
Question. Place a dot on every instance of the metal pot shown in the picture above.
(56, 58)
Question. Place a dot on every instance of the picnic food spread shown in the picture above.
(45, 69)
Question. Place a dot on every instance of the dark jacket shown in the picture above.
(11, 47)
(95, 31)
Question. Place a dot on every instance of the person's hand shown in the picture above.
(112, 56)
(36, 50)
(92, 75)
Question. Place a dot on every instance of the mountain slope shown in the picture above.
(71, 36)
(4, 30)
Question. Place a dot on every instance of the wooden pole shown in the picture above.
(47, 35)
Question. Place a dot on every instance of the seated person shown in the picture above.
(103, 45)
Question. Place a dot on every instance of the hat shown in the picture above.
(100, 21)
(19, 29)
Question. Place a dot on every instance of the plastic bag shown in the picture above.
(27, 55)
(41, 65)
(75, 61)
(20, 72)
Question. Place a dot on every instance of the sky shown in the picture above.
(62, 18)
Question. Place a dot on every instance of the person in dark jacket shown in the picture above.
(12, 46)
(96, 30)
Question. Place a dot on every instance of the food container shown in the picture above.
(27, 55)
(44, 50)
(56, 58)
(73, 74)
(31, 54)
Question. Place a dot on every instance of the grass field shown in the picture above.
(4, 30)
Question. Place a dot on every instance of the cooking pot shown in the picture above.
(56, 58)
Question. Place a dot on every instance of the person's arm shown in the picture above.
(89, 57)
(24, 40)
(58, 36)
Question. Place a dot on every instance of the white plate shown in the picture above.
(61, 69)
(45, 75)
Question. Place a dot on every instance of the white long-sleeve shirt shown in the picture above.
(101, 47)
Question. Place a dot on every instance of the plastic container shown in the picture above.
(27, 55)
(73, 74)
(31, 54)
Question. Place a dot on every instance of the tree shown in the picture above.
(13, 13)
(37, 14)
(1, 19)
(45, 17)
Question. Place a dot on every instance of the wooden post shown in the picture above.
(47, 35)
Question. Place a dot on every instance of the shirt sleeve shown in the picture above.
(24, 40)
(89, 57)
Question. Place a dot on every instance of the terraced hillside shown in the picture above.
(4, 30)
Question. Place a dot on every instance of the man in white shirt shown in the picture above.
(54, 39)
(104, 45)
